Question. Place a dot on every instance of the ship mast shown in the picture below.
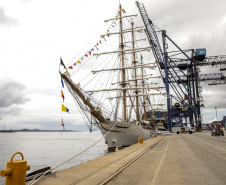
(142, 73)
(123, 70)
(135, 76)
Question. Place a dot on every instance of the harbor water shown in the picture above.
(42, 149)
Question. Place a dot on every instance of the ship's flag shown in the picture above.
(96, 47)
(123, 10)
(92, 49)
(75, 64)
(70, 67)
(62, 63)
(65, 109)
(78, 62)
(62, 123)
(62, 94)
(62, 82)
(86, 55)
(100, 42)
(89, 52)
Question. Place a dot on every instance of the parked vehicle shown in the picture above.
(192, 129)
(183, 130)
(218, 132)
(176, 130)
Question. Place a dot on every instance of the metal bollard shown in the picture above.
(140, 139)
(16, 171)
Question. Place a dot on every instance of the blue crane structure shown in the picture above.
(181, 75)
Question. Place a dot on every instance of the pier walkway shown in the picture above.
(197, 158)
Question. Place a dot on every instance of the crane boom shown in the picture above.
(151, 34)
(208, 61)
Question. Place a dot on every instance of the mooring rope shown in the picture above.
(34, 181)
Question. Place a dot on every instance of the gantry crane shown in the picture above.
(181, 75)
(180, 92)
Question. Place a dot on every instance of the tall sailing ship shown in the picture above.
(112, 88)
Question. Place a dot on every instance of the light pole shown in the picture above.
(202, 118)
(216, 114)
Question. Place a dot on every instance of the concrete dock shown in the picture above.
(197, 158)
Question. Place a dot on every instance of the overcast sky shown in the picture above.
(34, 34)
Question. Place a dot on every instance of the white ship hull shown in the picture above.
(123, 135)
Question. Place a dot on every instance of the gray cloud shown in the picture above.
(183, 14)
(12, 110)
(214, 96)
(5, 20)
(12, 95)
(201, 22)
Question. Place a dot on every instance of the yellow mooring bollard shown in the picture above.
(16, 171)
(140, 139)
